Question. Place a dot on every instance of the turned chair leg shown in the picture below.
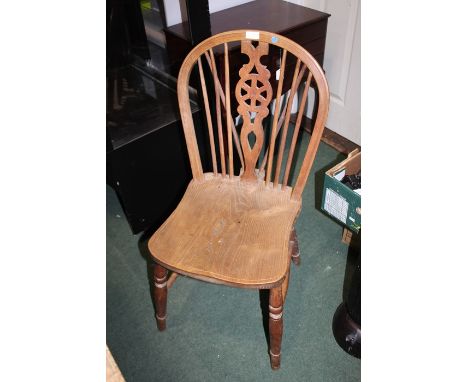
(160, 294)
(294, 247)
(275, 326)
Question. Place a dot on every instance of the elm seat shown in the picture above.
(228, 231)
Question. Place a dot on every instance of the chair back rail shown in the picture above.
(254, 99)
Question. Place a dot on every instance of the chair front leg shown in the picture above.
(275, 325)
(160, 294)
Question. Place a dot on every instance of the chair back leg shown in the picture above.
(294, 248)
(160, 294)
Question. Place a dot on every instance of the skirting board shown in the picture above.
(335, 140)
(338, 142)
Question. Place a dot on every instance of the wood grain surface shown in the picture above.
(229, 231)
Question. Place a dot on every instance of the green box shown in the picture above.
(338, 200)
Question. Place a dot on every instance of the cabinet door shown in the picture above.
(342, 64)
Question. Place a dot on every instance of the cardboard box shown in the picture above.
(338, 200)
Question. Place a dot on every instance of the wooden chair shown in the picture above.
(238, 230)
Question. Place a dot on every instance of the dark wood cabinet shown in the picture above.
(307, 27)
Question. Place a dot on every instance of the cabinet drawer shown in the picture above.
(305, 34)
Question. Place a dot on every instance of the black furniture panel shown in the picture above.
(147, 162)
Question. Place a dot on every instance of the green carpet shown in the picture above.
(215, 333)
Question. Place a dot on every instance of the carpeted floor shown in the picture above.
(216, 333)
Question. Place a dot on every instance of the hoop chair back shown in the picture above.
(254, 97)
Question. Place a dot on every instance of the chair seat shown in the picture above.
(229, 232)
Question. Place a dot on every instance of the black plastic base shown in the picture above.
(347, 332)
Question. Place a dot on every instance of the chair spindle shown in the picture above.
(292, 93)
(218, 118)
(292, 146)
(228, 109)
(275, 119)
(285, 126)
(235, 135)
(208, 117)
